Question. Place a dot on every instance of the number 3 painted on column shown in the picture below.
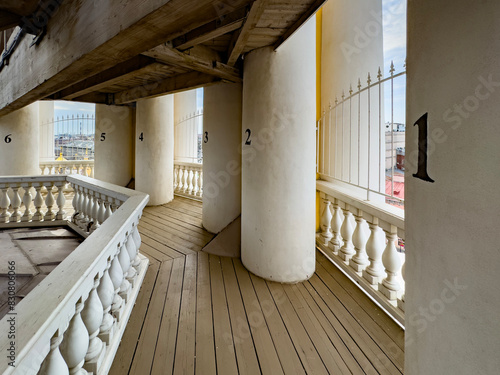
(423, 126)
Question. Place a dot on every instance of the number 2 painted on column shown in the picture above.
(423, 126)
(249, 133)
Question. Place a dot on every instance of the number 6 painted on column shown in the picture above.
(8, 139)
(423, 125)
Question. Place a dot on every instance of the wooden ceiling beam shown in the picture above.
(302, 20)
(229, 23)
(241, 37)
(116, 31)
(132, 68)
(201, 59)
(171, 85)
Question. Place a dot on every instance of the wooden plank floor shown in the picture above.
(203, 314)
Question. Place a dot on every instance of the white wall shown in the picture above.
(154, 156)
(21, 155)
(278, 168)
(114, 144)
(452, 224)
(221, 156)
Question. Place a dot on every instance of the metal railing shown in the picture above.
(351, 137)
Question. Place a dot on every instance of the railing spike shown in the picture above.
(392, 70)
(343, 96)
(379, 75)
(350, 89)
(369, 79)
(359, 84)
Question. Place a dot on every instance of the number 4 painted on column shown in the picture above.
(423, 126)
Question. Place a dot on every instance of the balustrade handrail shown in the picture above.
(47, 311)
(385, 212)
(67, 162)
(188, 164)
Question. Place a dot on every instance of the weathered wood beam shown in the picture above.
(86, 37)
(241, 39)
(171, 85)
(212, 30)
(132, 68)
(199, 58)
(302, 20)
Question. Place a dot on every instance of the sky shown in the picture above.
(395, 50)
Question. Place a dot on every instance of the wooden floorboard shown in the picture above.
(206, 315)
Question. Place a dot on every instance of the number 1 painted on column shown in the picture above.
(423, 125)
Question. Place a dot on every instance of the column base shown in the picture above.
(357, 266)
(322, 239)
(373, 280)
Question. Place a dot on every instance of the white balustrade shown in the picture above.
(72, 323)
(188, 179)
(362, 242)
(60, 167)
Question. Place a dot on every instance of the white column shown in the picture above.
(451, 224)
(154, 157)
(278, 167)
(19, 140)
(221, 156)
(114, 144)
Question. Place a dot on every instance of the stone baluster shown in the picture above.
(336, 240)
(81, 205)
(85, 204)
(75, 202)
(92, 167)
(176, 177)
(101, 213)
(185, 176)
(190, 181)
(137, 240)
(196, 176)
(76, 342)
(326, 218)
(16, 204)
(108, 211)
(54, 363)
(49, 202)
(374, 248)
(390, 286)
(116, 275)
(27, 199)
(124, 260)
(42, 169)
(200, 182)
(38, 202)
(115, 204)
(360, 260)
(82, 169)
(92, 316)
(133, 256)
(106, 293)
(95, 212)
(61, 200)
(401, 301)
(347, 250)
(90, 209)
(4, 204)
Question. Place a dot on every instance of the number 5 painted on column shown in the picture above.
(423, 125)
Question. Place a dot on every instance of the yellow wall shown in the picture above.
(319, 25)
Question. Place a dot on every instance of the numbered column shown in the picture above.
(114, 144)
(154, 163)
(278, 159)
(221, 156)
(19, 142)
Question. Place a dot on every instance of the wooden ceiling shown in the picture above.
(181, 45)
